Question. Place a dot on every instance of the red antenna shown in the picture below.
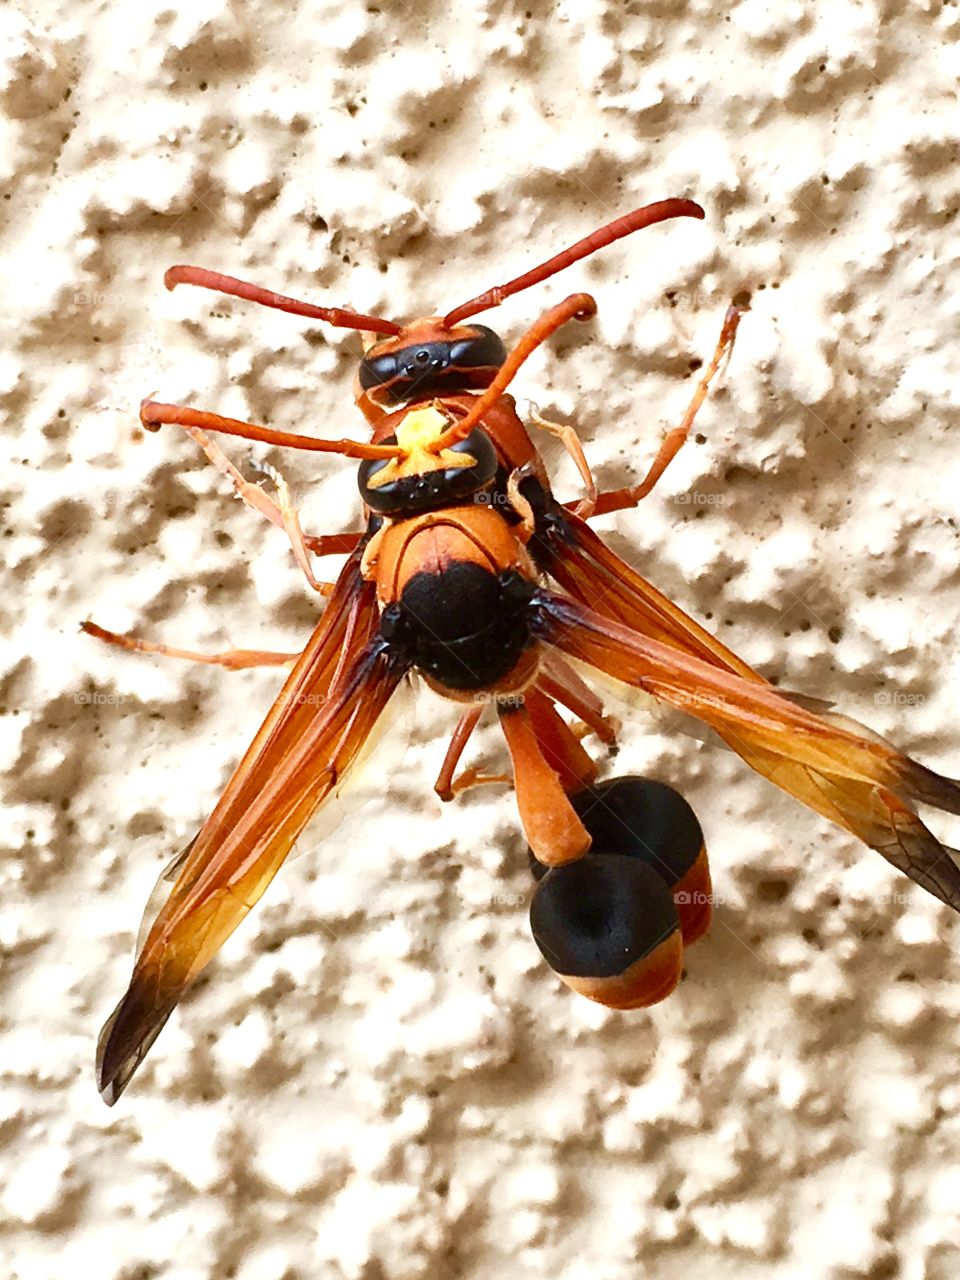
(579, 306)
(267, 298)
(660, 211)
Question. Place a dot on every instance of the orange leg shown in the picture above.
(527, 527)
(673, 441)
(473, 777)
(290, 520)
(446, 786)
(561, 682)
(251, 494)
(464, 728)
(560, 746)
(284, 515)
(232, 659)
(333, 544)
(555, 833)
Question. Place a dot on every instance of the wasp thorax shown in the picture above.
(421, 479)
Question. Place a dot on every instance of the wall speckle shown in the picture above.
(378, 1079)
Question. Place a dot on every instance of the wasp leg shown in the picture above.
(559, 743)
(673, 441)
(247, 492)
(325, 544)
(467, 722)
(333, 544)
(291, 524)
(473, 778)
(284, 515)
(568, 437)
(446, 785)
(232, 659)
(563, 684)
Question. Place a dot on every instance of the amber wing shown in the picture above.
(618, 623)
(330, 702)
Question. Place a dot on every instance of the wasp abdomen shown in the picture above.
(650, 822)
(608, 926)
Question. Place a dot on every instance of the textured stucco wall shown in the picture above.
(378, 1079)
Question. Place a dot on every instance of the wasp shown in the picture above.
(469, 571)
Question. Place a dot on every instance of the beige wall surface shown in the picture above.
(378, 1078)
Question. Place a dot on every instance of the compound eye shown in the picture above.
(484, 349)
(377, 370)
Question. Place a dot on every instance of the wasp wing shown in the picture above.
(829, 762)
(588, 570)
(330, 702)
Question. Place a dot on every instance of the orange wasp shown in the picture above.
(469, 572)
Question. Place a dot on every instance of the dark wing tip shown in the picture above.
(124, 1042)
(936, 868)
(931, 788)
(919, 854)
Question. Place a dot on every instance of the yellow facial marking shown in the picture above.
(415, 434)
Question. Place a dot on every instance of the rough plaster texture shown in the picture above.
(378, 1079)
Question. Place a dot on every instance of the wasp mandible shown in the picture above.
(469, 572)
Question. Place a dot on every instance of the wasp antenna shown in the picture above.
(660, 211)
(154, 415)
(215, 280)
(579, 306)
